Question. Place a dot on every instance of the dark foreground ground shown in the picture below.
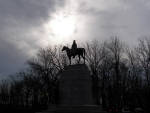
(15, 109)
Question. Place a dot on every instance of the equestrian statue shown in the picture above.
(74, 51)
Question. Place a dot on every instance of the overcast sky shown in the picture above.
(25, 25)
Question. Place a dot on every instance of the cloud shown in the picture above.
(128, 19)
(20, 22)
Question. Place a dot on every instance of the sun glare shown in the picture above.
(63, 25)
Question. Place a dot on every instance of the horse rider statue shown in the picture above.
(74, 48)
(74, 51)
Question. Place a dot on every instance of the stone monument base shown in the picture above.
(75, 86)
(75, 92)
(75, 109)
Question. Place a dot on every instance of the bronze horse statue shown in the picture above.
(79, 51)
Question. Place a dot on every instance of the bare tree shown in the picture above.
(47, 64)
(116, 51)
(134, 71)
(95, 53)
(143, 55)
(115, 48)
(4, 92)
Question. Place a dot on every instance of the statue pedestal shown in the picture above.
(75, 92)
(75, 86)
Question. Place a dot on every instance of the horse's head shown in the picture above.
(64, 48)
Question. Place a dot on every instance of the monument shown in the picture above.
(75, 86)
(75, 92)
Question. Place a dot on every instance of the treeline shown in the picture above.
(121, 76)
(36, 87)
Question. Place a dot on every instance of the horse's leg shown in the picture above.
(83, 56)
(84, 59)
(79, 59)
(70, 60)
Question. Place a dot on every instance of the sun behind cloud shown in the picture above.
(61, 27)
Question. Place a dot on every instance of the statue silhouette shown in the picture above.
(74, 48)
(80, 52)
